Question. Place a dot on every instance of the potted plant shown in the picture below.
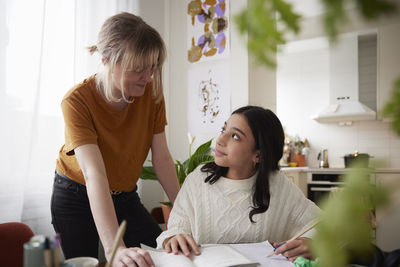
(201, 156)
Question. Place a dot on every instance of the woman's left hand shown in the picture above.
(293, 249)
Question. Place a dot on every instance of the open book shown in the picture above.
(212, 255)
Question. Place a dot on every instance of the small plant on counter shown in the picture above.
(295, 151)
(201, 156)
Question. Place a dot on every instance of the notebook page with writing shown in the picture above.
(258, 252)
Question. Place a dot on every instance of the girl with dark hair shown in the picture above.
(241, 197)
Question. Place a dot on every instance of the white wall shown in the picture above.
(262, 85)
(154, 12)
(179, 66)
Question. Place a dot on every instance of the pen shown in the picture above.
(272, 253)
(296, 236)
(47, 253)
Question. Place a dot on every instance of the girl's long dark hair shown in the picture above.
(269, 140)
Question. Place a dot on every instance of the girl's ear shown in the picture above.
(257, 156)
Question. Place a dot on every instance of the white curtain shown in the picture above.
(42, 55)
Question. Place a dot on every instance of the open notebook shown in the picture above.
(213, 255)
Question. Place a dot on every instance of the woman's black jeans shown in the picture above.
(72, 219)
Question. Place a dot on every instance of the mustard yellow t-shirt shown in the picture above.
(123, 136)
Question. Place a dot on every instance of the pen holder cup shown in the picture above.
(35, 253)
(33, 256)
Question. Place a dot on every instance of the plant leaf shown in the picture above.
(199, 160)
(203, 149)
(148, 173)
(194, 161)
(180, 172)
(167, 203)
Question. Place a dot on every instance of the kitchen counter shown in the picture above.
(294, 169)
(336, 170)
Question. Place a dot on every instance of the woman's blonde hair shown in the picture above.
(125, 38)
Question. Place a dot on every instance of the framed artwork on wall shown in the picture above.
(208, 98)
(207, 30)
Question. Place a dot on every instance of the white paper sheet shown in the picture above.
(252, 252)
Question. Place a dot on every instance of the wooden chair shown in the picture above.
(13, 235)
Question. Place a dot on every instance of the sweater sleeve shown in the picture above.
(302, 210)
(182, 214)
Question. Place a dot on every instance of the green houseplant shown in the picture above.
(202, 155)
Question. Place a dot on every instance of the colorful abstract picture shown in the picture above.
(208, 98)
(208, 31)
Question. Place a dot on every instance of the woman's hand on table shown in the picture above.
(293, 249)
(132, 257)
(183, 242)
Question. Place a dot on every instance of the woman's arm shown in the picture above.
(164, 166)
(92, 165)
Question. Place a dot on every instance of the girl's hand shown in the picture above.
(132, 257)
(293, 249)
(184, 242)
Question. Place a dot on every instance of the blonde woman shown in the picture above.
(112, 120)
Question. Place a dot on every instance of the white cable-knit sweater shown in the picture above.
(219, 212)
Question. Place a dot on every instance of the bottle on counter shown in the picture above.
(306, 150)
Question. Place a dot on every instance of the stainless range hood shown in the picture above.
(344, 83)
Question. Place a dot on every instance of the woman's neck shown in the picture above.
(116, 105)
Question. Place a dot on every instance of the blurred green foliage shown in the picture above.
(392, 108)
(259, 21)
(347, 220)
(335, 13)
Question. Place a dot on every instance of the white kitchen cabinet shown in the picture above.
(388, 62)
(388, 220)
(298, 177)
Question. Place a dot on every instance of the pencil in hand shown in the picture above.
(117, 241)
(273, 251)
(295, 237)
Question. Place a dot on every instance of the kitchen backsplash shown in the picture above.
(303, 90)
(372, 137)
